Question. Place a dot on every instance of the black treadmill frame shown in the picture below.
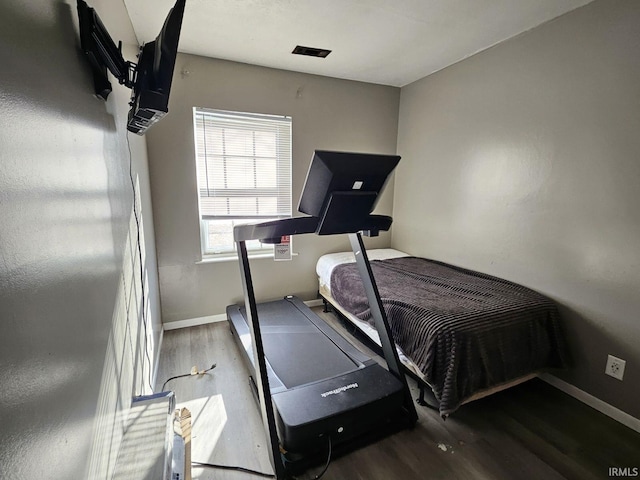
(272, 232)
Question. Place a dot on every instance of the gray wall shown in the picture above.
(71, 342)
(524, 162)
(327, 114)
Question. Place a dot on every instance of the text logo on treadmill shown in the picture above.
(339, 389)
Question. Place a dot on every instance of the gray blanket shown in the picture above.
(465, 330)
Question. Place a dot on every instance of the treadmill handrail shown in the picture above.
(261, 370)
(273, 231)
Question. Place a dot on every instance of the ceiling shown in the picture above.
(388, 42)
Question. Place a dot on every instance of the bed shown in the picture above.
(461, 333)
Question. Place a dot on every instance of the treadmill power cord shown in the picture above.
(324, 470)
(194, 371)
(231, 467)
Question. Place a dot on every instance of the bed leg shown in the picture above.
(426, 397)
(326, 308)
(420, 400)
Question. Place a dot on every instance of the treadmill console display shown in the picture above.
(342, 188)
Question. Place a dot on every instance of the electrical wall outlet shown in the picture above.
(615, 367)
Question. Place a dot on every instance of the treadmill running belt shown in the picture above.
(298, 352)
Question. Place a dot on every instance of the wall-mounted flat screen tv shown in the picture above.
(150, 79)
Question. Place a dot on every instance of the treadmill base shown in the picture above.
(353, 407)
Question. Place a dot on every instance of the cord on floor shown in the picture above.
(231, 467)
(194, 371)
(324, 470)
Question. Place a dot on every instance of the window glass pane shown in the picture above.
(266, 204)
(238, 142)
(215, 173)
(240, 173)
(241, 205)
(265, 144)
(266, 173)
(219, 237)
(219, 203)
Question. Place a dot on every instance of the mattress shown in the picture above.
(463, 332)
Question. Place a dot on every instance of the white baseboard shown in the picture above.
(157, 358)
(588, 399)
(194, 322)
(221, 317)
(314, 303)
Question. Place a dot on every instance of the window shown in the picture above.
(243, 164)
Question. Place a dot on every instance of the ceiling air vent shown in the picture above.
(310, 51)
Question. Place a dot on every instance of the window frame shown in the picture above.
(253, 249)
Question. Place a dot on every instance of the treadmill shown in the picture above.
(318, 394)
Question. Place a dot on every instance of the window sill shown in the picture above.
(234, 258)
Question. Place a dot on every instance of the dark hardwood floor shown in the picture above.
(532, 431)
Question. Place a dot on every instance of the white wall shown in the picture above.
(523, 162)
(327, 114)
(72, 345)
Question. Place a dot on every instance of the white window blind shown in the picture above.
(243, 164)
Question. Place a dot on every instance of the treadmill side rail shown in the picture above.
(262, 378)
